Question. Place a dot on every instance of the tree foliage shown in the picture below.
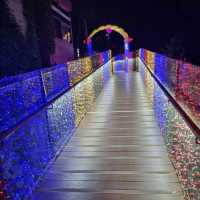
(25, 52)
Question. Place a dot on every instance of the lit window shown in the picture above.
(67, 37)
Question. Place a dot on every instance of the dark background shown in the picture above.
(20, 53)
(164, 26)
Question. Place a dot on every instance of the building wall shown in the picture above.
(65, 4)
(64, 50)
(27, 35)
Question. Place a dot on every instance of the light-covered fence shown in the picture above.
(22, 95)
(28, 149)
(180, 78)
(182, 81)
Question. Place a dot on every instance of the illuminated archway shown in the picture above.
(109, 28)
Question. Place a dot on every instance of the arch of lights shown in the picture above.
(109, 28)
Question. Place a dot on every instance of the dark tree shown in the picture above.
(45, 29)
(175, 48)
(22, 52)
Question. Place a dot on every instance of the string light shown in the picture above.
(109, 28)
(181, 79)
(27, 151)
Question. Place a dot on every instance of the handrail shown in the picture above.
(194, 127)
(8, 132)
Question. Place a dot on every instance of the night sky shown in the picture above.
(157, 25)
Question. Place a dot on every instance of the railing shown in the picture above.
(25, 94)
(164, 79)
(181, 83)
(28, 149)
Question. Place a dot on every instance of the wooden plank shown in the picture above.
(116, 153)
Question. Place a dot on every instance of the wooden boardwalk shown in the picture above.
(117, 153)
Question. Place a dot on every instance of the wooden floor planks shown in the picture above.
(117, 152)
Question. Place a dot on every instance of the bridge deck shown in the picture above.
(116, 153)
